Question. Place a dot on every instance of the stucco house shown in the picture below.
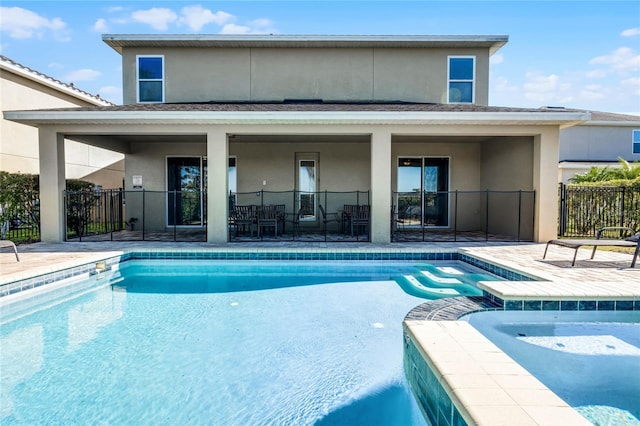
(22, 88)
(234, 117)
(598, 142)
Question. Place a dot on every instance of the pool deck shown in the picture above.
(489, 387)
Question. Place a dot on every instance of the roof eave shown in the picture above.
(54, 85)
(35, 118)
(120, 41)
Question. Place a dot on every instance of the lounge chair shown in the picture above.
(7, 243)
(632, 241)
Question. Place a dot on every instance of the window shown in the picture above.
(307, 188)
(232, 182)
(636, 142)
(461, 79)
(150, 79)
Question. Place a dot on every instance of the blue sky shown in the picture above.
(577, 54)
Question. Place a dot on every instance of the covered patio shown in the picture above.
(427, 170)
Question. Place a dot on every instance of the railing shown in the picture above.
(304, 216)
(139, 215)
(463, 216)
(585, 209)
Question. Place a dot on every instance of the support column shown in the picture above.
(217, 196)
(545, 183)
(52, 185)
(381, 187)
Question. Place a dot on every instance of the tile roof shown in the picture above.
(26, 71)
(305, 106)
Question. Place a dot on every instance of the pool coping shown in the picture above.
(461, 375)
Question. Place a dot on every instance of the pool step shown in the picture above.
(440, 280)
(415, 283)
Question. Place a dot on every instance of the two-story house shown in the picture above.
(22, 88)
(381, 115)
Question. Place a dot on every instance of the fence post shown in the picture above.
(622, 207)
(562, 213)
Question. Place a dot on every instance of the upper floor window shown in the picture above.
(636, 142)
(462, 70)
(150, 79)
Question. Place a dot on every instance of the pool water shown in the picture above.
(234, 343)
(589, 359)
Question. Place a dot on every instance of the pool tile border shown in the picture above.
(501, 271)
(90, 267)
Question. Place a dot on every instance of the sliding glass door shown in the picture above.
(423, 185)
(185, 205)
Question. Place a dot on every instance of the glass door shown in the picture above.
(184, 199)
(307, 187)
(423, 185)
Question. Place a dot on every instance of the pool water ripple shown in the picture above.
(178, 346)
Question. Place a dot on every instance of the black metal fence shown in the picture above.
(300, 216)
(585, 209)
(139, 215)
(21, 223)
(463, 216)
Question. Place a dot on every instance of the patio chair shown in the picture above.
(347, 213)
(10, 244)
(328, 218)
(294, 220)
(360, 219)
(268, 216)
(244, 216)
(632, 241)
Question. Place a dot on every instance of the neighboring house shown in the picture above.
(598, 142)
(22, 88)
(310, 113)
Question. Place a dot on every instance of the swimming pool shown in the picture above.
(589, 359)
(192, 342)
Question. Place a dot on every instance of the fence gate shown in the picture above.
(585, 209)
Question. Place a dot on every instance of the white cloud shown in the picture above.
(22, 24)
(596, 74)
(631, 85)
(623, 60)
(630, 32)
(593, 91)
(196, 17)
(84, 74)
(546, 89)
(111, 93)
(101, 26)
(258, 26)
(496, 59)
(157, 18)
(235, 29)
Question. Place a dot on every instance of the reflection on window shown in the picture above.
(307, 188)
(423, 185)
(461, 79)
(184, 183)
(150, 79)
(636, 142)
